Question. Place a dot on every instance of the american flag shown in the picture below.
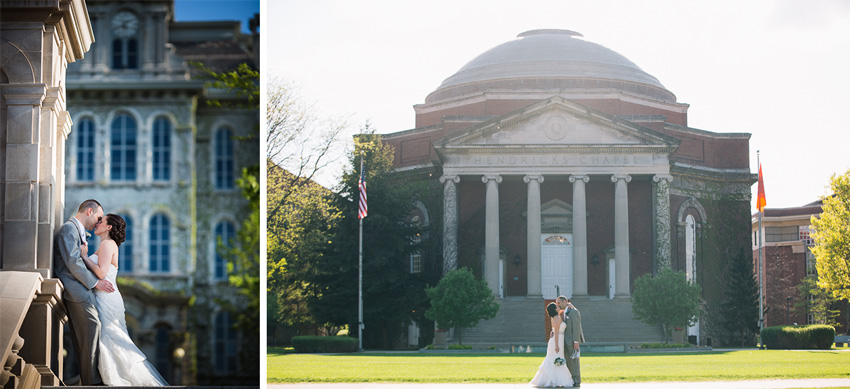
(362, 184)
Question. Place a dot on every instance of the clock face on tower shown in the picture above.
(124, 24)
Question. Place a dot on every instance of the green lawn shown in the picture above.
(285, 366)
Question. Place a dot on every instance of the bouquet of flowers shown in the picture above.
(560, 361)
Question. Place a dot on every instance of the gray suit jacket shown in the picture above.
(573, 332)
(69, 267)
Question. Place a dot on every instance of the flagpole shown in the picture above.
(360, 278)
(761, 278)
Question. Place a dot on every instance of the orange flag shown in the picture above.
(761, 202)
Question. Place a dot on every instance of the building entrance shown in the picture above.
(556, 255)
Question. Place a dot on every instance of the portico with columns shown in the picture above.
(558, 148)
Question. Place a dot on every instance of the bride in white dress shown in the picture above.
(121, 363)
(549, 374)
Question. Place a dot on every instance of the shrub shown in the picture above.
(816, 336)
(460, 347)
(324, 344)
(665, 345)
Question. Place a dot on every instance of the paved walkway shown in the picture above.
(751, 384)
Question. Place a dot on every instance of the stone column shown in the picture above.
(663, 253)
(533, 262)
(491, 233)
(621, 234)
(449, 222)
(579, 235)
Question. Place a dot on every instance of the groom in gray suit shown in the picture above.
(573, 336)
(79, 284)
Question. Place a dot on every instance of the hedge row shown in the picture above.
(324, 344)
(815, 336)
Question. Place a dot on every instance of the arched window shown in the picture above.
(224, 234)
(85, 150)
(160, 236)
(224, 343)
(224, 160)
(125, 250)
(125, 47)
(690, 247)
(161, 149)
(123, 148)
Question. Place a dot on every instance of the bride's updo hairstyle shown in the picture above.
(552, 309)
(119, 228)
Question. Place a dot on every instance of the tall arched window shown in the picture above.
(123, 148)
(224, 343)
(125, 250)
(85, 150)
(160, 236)
(224, 233)
(161, 149)
(162, 358)
(125, 47)
(224, 160)
(690, 247)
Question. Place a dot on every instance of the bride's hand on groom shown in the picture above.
(104, 286)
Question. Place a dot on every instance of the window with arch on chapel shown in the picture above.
(224, 160)
(85, 150)
(123, 148)
(125, 250)
(161, 143)
(160, 236)
(225, 232)
(125, 44)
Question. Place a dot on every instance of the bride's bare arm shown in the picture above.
(94, 267)
(556, 324)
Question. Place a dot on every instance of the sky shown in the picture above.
(777, 69)
(195, 10)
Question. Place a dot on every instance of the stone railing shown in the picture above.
(31, 330)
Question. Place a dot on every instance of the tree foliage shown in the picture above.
(740, 321)
(817, 302)
(832, 239)
(392, 295)
(459, 300)
(668, 299)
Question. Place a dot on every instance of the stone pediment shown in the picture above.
(556, 123)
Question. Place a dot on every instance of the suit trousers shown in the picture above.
(573, 364)
(85, 333)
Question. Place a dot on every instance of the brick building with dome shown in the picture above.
(566, 169)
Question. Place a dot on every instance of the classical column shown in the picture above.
(449, 222)
(533, 231)
(663, 253)
(579, 235)
(621, 234)
(491, 233)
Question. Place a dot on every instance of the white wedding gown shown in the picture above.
(548, 374)
(121, 362)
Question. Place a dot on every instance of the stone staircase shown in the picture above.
(522, 322)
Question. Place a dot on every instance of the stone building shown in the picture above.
(150, 148)
(37, 42)
(566, 169)
(786, 260)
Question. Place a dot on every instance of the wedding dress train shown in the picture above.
(121, 362)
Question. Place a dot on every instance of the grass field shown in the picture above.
(285, 367)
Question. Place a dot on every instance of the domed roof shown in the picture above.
(552, 54)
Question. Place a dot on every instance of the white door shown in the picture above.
(556, 270)
(612, 278)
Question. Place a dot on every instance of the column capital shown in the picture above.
(529, 177)
(618, 177)
(577, 177)
(659, 177)
(449, 177)
(491, 177)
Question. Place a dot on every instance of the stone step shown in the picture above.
(523, 322)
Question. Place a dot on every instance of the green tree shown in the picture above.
(817, 302)
(392, 296)
(740, 321)
(459, 300)
(832, 239)
(668, 299)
